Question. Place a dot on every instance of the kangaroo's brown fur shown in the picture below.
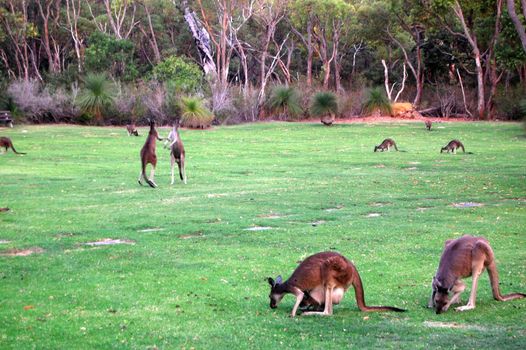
(428, 125)
(148, 155)
(324, 278)
(177, 153)
(461, 258)
(386, 145)
(132, 130)
(452, 146)
(7, 143)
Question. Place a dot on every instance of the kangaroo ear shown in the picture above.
(279, 280)
(271, 281)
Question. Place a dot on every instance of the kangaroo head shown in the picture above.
(375, 148)
(276, 291)
(441, 296)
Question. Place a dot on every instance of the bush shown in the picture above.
(194, 114)
(324, 105)
(377, 101)
(38, 104)
(185, 75)
(511, 104)
(285, 101)
(97, 95)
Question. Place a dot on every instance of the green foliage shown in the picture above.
(377, 101)
(510, 104)
(194, 113)
(105, 52)
(285, 101)
(323, 103)
(186, 76)
(97, 94)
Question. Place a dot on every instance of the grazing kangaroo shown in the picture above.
(322, 278)
(386, 144)
(461, 258)
(452, 146)
(428, 125)
(148, 155)
(132, 130)
(177, 154)
(6, 143)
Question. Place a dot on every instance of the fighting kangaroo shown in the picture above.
(452, 146)
(177, 154)
(386, 145)
(148, 155)
(322, 278)
(6, 143)
(461, 258)
(132, 130)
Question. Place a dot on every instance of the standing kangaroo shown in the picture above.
(452, 146)
(177, 154)
(323, 278)
(6, 143)
(148, 155)
(386, 144)
(461, 258)
(428, 125)
(132, 130)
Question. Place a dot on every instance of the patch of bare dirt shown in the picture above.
(152, 229)
(373, 215)
(258, 228)
(3, 241)
(453, 325)
(467, 205)
(192, 235)
(338, 207)
(22, 252)
(270, 216)
(109, 241)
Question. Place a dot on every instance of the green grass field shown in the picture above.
(195, 277)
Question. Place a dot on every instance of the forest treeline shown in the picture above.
(120, 61)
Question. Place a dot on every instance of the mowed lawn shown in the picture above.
(259, 199)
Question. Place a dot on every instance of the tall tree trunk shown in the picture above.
(516, 21)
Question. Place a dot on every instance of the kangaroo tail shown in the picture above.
(360, 297)
(394, 144)
(14, 150)
(462, 146)
(494, 280)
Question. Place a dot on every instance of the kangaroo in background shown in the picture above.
(386, 145)
(452, 146)
(461, 258)
(323, 278)
(132, 130)
(428, 125)
(177, 153)
(148, 155)
(7, 143)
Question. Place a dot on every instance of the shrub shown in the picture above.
(285, 101)
(323, 103)
(38, 104)
(377, 101)
(97, 95)
(511, 104)
(194, 114)
(186, 76)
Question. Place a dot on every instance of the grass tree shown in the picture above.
(98, 93)
(194, 113)
(324, 105)
(377, 102)
(285, 101)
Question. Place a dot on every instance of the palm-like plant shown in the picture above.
(97, 94)
(377, 101)
(285, 102)
(194, 113)
(324, 105)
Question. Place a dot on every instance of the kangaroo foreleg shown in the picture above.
(299, 297)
